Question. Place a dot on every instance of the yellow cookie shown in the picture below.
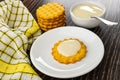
(52, 26)
(52, 23)
(44, 28)
(68, 57)
(50, 11)
(52, 20)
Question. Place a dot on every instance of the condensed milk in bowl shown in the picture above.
(82, 12)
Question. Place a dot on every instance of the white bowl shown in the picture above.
(87, 22)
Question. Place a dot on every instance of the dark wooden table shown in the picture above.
(109, 68)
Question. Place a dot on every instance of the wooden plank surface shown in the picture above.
(109, 68)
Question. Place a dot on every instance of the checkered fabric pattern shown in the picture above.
(18, 30)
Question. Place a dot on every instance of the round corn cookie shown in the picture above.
(52, 23)
(51, 27)
(50, 11)
(53, 20)
(60, 16)
(80, 54)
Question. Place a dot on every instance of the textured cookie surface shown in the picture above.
(50, 11)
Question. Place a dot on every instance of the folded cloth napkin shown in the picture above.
(18, 30)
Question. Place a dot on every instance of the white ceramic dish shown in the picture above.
(42, 59)
(87, 22)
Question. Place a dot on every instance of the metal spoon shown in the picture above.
(109, 23)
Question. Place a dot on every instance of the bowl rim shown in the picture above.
(99, 4)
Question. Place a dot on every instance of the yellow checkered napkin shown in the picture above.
(18, 30)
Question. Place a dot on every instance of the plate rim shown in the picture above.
(89, 70)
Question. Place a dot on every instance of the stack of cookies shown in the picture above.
(51, 15)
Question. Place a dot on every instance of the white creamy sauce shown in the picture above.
(69, 47)
(87, 10)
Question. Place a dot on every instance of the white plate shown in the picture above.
(43, 60)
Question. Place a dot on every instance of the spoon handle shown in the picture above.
(109, 23)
